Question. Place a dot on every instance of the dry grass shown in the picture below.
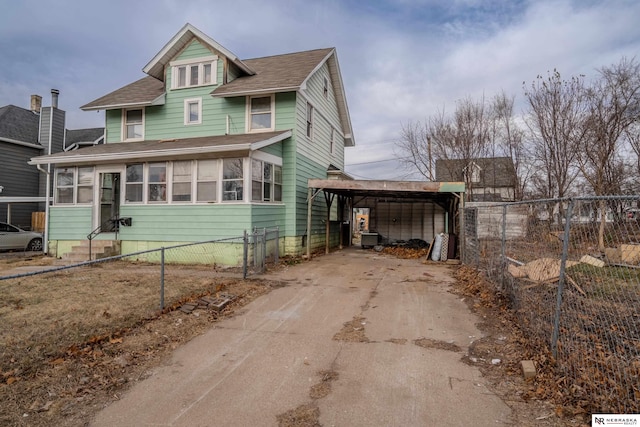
(352, 331)
(73, 340)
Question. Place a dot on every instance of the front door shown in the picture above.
(109, 201)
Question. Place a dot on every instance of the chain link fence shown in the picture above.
(571, 269)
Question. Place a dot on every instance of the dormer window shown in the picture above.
(187, 73)
(133, 125)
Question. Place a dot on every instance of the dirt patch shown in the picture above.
(401, 341)
(323, 388)
(9, 261)
(352, 331)
(441, 345)
(71, 343)
(307, 415)
(498, 355)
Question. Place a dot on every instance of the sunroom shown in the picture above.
(165, 191)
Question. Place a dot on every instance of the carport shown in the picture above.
(401, 210)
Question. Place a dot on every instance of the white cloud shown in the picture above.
(401, 60)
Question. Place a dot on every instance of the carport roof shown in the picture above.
(395, 189)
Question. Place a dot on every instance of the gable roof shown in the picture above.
(146, 91)
(494, 171)
(155, 67)
(202, 147)
(18, 125)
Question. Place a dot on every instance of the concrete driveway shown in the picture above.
(356, 338)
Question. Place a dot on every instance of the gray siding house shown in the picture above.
(487, 179)
(24, 134)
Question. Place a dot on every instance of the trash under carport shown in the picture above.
(400, 210)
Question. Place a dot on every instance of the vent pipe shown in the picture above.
(54, 97)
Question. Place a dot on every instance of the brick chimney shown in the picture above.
(36, 103)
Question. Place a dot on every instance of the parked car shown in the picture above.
(12, 237)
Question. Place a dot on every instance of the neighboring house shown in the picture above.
(490, 179)
(78, 138)
(205, 147)
(25, 134)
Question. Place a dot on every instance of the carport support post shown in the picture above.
(309, 204)
(327, 229)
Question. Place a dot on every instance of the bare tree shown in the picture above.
(555, 116)
(415, 145)
(510, 140)
(613, 107)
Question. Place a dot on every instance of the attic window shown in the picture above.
(187, 73)
(325, 88)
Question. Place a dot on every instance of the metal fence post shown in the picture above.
(245, 254)
(503, 259)
(561, 281)
(263, 261)
(162, 278)
(277, 256)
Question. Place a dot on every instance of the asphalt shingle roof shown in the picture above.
(141, 147)
(19, 124)
(142, 91)
(83, 135)
(275, 72)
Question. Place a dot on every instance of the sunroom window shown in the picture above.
(157, 182)
(74, 185)
(232, 179)
(85, 185)
(181, 191)
(134, 183)
(266, 182)
(207, 185)
(64, 185)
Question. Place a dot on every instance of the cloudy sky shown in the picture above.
(401, 60)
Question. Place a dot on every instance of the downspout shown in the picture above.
(45, 243)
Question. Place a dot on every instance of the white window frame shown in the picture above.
(275, 162)
(142, 184)
(244, 179)
(159, 183)
(75, 185)
(217, 181)
(187, 103)
(332, 140)
(200, 63)
(125, 124)
(309, 122)
(189, 181)
(72, 186)
(272, 111)
(90, 186)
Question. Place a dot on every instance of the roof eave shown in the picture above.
(23, 143)
(255, 92)
(146, 154)
(150, 154)
(160, 100)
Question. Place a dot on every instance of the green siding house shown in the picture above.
(204, 147)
